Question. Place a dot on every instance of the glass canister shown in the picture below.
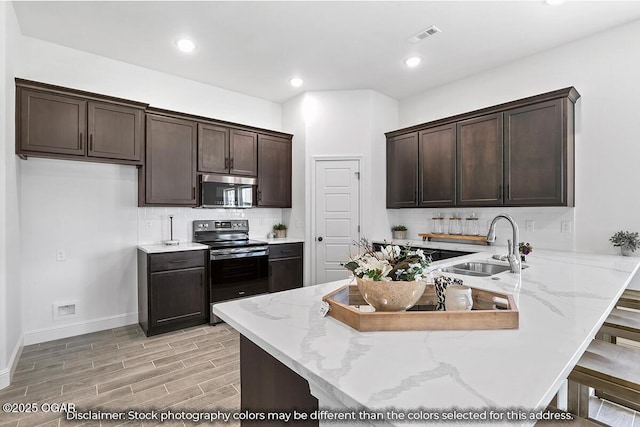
(455, 226)
(438, 227)
(472, 224)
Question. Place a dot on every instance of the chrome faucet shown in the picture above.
(513, 256)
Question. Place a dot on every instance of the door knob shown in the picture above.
(319, 239)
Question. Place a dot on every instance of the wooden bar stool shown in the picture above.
(610, 368)
(620, 324)
(630, 299)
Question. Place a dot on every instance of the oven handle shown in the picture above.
(240, 255)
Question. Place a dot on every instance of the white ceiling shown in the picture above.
(255, 47)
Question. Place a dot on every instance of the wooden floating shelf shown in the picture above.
(429, 236)
(491, 310)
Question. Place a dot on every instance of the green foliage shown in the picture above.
(279, 227)
(626, 238)
(399, 228)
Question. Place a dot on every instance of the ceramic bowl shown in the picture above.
(391, 296)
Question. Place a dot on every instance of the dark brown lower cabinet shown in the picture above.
(285, 266)
(270, 386)
(172, 290)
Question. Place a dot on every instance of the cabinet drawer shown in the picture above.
(176, 260)
(285, 250)
(239, 291)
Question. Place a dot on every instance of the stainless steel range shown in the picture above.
(239, 267)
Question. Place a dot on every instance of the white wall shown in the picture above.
(90, 210)
(10, 289)
(340, 123)
(605, 70)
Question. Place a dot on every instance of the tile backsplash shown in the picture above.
(553, 227)
(154, 225)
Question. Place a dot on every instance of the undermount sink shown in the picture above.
(478, 268)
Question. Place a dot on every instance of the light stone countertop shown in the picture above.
(282, 240)
(563, 299)
(162, 248)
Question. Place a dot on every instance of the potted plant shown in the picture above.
(627, 241)
(524, 249)
(392, 279)
(399, 232)
(280, 230)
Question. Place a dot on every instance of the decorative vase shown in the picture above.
(391, 296)
(458, 298)
(399, 235)
(626, 250)
(280, 233)
(441, 284)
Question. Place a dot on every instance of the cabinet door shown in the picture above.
(177, 296)
(171, 161)
(285, 274)
(479, 144)
(437, 169)
(535, 155)
(274, 172)
(243, 153)
(213, 148)
(51, 123)
(115, 131)
(402, 171)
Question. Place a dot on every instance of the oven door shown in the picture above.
(238, 277)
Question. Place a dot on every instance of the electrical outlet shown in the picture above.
(148, 224)
(530, 226)
(566, 226)
(61, 255)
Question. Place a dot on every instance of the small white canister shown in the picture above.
(458, 298)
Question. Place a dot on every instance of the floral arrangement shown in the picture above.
(525, 248)
(391, 263)
(626, 238)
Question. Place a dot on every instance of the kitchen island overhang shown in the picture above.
(563, 299)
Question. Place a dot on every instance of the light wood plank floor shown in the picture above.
(196, 369)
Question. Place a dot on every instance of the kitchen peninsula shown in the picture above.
(563, 299)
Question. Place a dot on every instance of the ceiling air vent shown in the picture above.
(423, 34)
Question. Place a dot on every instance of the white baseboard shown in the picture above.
(71, 330)
(7, 373)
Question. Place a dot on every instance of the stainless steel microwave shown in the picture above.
(224, 191)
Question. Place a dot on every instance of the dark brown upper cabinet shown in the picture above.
(169, 175)
(68, 124)
(479, 146)
(243, 153)
(274, 171)
(115, 131)
(536, 156)
(213, 148)
(520, 153)
(437, 167)
(402, 171)
(226, 150)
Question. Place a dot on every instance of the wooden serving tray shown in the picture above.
(491, 310)
(429, 236)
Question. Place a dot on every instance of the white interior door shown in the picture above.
(337, 216)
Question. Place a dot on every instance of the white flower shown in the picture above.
(390, 252)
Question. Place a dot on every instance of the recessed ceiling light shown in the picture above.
(186, 45)
(554, 2)
(412, 61)
(296, 81)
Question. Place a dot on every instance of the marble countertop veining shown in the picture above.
(563, 299)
